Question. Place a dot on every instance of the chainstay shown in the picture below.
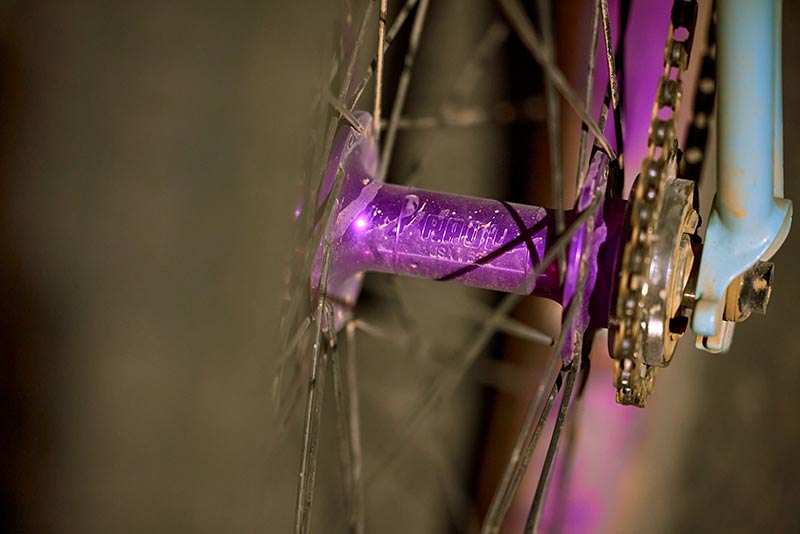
(633, 378)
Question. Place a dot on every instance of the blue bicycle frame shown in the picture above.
(750, 218)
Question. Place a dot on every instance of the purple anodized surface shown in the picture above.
(479, 242)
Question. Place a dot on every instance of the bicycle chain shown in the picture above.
(704, 97)
(633, 378)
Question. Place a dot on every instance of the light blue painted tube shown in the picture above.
(778, 103)
(750, 219)
(746, 75)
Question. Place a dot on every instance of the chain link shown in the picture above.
(633, 378)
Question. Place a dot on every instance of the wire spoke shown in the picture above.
(507, 324)
(415, 345)
(521, 455)
(612, 70)
(528, 436)
(565, 238)
(342, 96)
(527, 439)
(553, 127)
(512, 327)
(522, 25)
(291, 348)
(444, 386)
(567, 462)
(402, 88)
(355, 431)
(348, 428)
(476, 311)
(313, 415)
(345, 113)
(495, 35)
(576, 342)
(537, 507)
(342, 422)
(395, 28)
(500, 113)
(362, 31)
(618, 74)
(376, 115)
(614, 73)
(343, 366)
(378, 332)
(316, 385)
(583, 160)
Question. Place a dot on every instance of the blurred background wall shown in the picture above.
(148, 153)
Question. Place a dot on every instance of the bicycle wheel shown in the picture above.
(440, 334)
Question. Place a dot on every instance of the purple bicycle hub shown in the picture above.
(479, 242)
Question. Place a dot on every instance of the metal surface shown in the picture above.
(670, 267)
(750, 292)
(749, 220)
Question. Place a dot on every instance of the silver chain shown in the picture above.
(633, 378)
